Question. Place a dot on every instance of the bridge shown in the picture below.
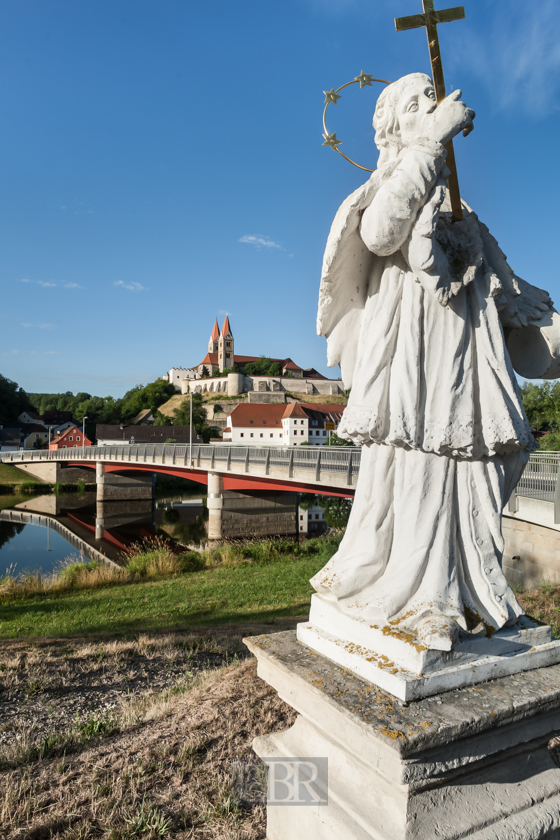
(531, 522)
(330, 470)
(126, 469)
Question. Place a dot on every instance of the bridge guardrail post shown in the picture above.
(557, 493)
(513, 502)
(247, 460)
(267, 463)
(318, 468)
(349, 470)
(228, 462)
(291, 465)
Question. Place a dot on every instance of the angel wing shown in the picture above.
(347, 266)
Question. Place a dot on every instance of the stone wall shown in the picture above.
(532, 552)
(259, 514)
(235, 384)
(266, 397)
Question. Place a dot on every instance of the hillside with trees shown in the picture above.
(13, 400)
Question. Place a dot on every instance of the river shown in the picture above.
(39, 533)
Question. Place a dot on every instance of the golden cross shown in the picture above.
(430, 19)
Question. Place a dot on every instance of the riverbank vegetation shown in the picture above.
(160, 589)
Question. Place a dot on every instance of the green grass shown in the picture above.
(255, 590)
(11, 475)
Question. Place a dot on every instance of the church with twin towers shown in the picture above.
(223, 370)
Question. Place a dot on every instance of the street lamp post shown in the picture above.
(84, 432)
(190, 428)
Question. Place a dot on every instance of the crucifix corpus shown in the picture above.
(430, 19)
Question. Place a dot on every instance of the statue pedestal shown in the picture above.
(472, 762)
(396, 661)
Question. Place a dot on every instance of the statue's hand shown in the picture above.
(449, 118)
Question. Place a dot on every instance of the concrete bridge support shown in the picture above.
(215, 504)
(113, 487)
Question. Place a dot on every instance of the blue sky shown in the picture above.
(161, 164)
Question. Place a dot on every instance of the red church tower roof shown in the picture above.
(226, 328)
(215, 331)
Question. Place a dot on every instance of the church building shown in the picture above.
(222, 359)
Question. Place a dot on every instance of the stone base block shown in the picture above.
(397, 662)
(468, 763)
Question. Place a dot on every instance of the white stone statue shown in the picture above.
(420, 311)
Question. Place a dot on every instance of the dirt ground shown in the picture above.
(122, 739)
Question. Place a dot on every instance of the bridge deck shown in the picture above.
(321, 469)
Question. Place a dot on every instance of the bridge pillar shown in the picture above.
(215, 505)
(132, 486)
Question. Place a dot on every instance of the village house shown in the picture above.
(34, 436)
(10, 438)
(257, 424)
(110, 435)
(70, 437)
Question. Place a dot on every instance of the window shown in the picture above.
(78, 437)
(316, 516)
(64, 446)
(324, 433)
(70, 438)
(271, 434)
(301, 517)
(252, 434)
(261, 434)
(242, 434)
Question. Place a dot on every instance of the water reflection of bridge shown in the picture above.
(41, 520)
(236, 476)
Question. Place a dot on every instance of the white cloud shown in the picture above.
(32, 353)
(517, 55)
(259, 241)
(131, 287)
(47, 284)
(40, 326)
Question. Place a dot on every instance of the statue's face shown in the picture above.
(417, 101)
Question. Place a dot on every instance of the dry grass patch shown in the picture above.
(168, 776)
(543, 603)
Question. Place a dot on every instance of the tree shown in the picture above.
(13, 400)
(542, 406)
(337, 510)
(335, 440)
(181, 417)
(263, 367)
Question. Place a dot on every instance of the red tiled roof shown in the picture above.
(215, 332)
(209, 359)
(311, 373)
(74, 430)
(257, 414)
(294, 410)
(29, 428)
(226, 328)
(288, 364)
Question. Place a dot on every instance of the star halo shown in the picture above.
(331, 98)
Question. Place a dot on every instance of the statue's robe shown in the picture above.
(414, 308)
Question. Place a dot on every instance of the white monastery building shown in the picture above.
(282, 425)
(222, 359)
